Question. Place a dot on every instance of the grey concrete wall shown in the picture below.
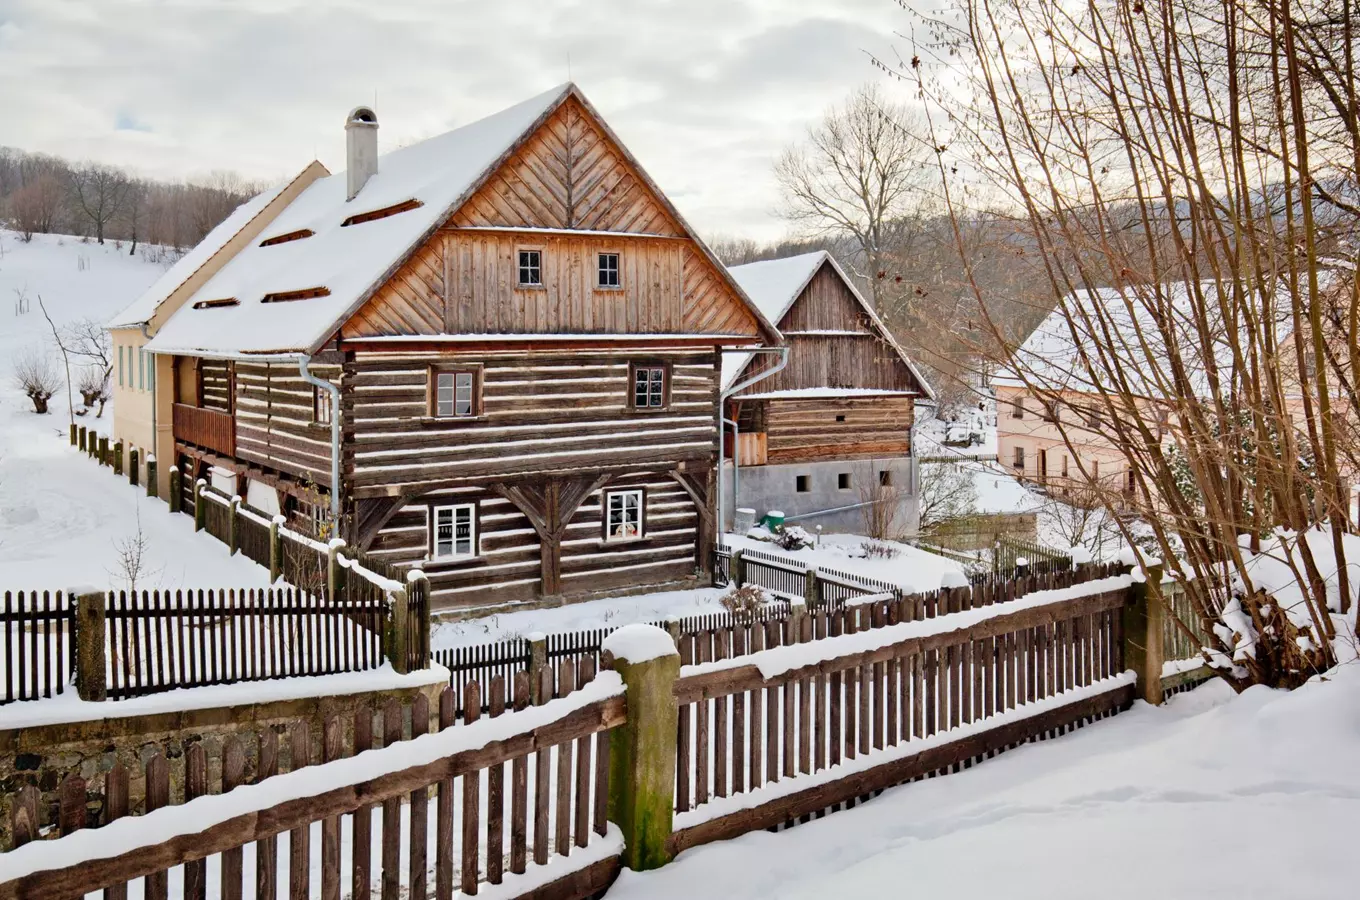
(824, 502)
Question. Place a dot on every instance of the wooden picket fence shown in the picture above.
(37, 630)
(380, 835)
(739, 730)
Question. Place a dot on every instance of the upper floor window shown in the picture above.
(455, 392)
(321, 406)
(608, 267)
(1017, 408)
(650, 387)
(454, 531)
(1050, 413)
(141, 369)
(120, 365)
(623, 515)
(531, 268)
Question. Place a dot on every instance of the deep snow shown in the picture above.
(62, 516)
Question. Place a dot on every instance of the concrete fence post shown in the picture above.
(335, 572)
(538, 661)
(737, 568)
(233, 526)
(176, 498)
(642, 751)
(134, 462)
(91, 671)
(275, 549)
(200, 505)
(1143, 650)
(151, 476)
(118, 457)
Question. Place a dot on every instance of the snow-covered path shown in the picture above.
(1209, 796)
(62, 517)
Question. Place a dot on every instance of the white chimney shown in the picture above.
(361, 149)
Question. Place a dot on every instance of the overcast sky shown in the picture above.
(704, 92)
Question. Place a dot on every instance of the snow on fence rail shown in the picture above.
(791, 731)
(365, 823)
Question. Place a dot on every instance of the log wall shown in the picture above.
(274, 426)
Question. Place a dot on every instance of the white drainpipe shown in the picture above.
(722, 418)
(303, 362)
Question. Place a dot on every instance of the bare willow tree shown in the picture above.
(1186, 171)
(862, 172)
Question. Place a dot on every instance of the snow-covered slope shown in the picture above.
(61, 516)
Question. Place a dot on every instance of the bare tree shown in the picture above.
(863, 172)
(1079, 518)
(948, 491)
(88, 340)
(99, 192)
(34, 207)
(36, 376)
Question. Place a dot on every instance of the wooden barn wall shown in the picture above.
(568, 175)
(507, 569)
(215, 384)
(836, 361)
(808, 430)
(542, 411)
(826, 304)
(274, 426)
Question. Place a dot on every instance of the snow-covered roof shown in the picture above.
(774, 284)
(1122, 324)
(143, 309)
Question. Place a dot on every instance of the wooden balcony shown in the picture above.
(206, 428)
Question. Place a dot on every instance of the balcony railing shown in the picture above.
(206, 428)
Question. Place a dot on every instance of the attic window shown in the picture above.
(304, 294)
(290, 236)
(383, 213)
(214, 304)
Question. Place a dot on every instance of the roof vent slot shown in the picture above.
(304, 294)
(215, 304)
(361, 149)
(361, 218)
(285, 238)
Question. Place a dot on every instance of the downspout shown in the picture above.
(722, 417)
(303, 362)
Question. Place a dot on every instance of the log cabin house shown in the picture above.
(828, 436)
(493, 354)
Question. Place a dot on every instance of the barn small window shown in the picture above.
(289, 296)
(361, 218)
(608, 270)
(287, 238)
(321, 406)
(840, 418)
(623, 515)
(218, 303)
(531, 268)
(455, 393)
(649, 387)
(454, 532)
(843, 481)
(885, 478)
(802, 483)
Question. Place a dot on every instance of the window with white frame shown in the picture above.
(608, 270)
(141, 369)
(455, 393)
(649, 387)
(454, 531)
(531, 268)
(120, 365)
(623, 515)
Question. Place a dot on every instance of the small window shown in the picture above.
(1064, 465)
(1020, 458)
(1130, 482)
(454, 532)
(623, 515)
(531, 268)
(455, 393)
(840, 418)
(321, 406)
(1095, 470)
(120, 365)
(885, 478)
(649, 387)
(1050, 411)
(608, 266)
(290, 296)
(802, 484)
(1017, 408)
(141, 369)
(218, 303)
(374, 215)
(843, 481)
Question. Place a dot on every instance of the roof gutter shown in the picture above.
(303, 362)
(722, 420)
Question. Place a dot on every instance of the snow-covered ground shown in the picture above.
(62, 517)
(912, 569)
(1210, 796)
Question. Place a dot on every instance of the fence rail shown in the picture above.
(409, 814)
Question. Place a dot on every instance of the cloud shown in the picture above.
(705, 92)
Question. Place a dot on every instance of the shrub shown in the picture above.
(37, 377)
(792, 537)
(744, 602)
(880, 550)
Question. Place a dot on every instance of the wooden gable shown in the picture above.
(570, 191)
(826, 304)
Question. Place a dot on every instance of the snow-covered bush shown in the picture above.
(37, 376)
(744, 602)
(793, 537)
(872, 549)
